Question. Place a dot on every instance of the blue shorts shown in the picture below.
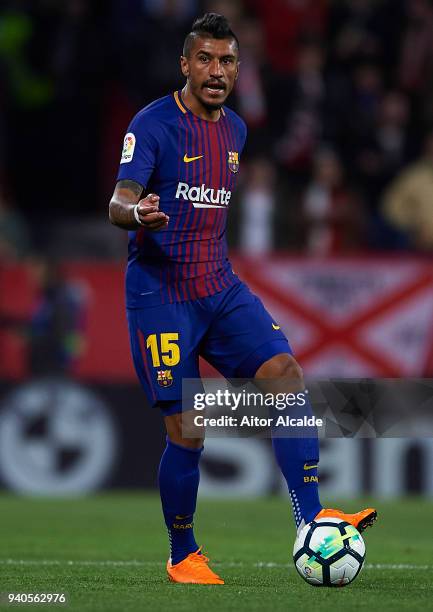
(232, 330)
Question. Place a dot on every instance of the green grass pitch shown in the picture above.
(108, 552)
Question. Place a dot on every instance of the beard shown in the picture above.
(212, 107)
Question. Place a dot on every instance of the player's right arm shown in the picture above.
(140, 156)
(126, 198)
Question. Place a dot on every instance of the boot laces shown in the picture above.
(198, 558)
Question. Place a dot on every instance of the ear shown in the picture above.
(237, 70)
(184, 66)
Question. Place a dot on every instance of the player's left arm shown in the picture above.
(126, 198)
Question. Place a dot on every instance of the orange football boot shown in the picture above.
(193, 570)
(361, 520)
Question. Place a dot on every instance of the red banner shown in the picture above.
(350, 317)
(354, 317)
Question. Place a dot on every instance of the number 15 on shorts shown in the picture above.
(164, 348)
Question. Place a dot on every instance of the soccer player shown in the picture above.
(183, 298)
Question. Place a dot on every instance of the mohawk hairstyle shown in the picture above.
(211, 25)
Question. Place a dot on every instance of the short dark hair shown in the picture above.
(211, 25)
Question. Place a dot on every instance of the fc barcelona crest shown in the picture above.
(233, 161)
(165, 379)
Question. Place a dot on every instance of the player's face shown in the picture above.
(211, 69)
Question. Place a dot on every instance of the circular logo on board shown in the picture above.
(56, 437)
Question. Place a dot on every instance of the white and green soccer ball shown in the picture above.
(329, 552)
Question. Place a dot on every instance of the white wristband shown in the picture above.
(136, 217)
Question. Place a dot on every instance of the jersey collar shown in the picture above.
(183, 108)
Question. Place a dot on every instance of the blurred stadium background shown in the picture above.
(332, 225)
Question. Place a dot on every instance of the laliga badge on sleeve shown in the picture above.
(128, 148)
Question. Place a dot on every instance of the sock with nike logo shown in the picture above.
(298, 458)
(178, 479)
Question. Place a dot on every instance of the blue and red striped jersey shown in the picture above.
(192, 165)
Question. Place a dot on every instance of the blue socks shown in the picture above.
(298, 458)
(178, 479)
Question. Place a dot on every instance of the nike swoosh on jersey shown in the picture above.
(309, 467)
(275, 326)
(187, 159)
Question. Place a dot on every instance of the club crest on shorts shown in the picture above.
(165, 378)
(233, 161)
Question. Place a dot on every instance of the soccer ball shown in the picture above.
(329, 552)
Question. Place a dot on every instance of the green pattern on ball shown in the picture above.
(332, 543)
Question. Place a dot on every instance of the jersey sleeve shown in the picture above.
(243, 134)
(141, 149)
(242, 131)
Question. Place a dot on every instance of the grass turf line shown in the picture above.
(237, 534)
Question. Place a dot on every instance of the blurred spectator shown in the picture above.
(234, 10)
(3, 140)
(359, 117)
(26, 92)
(416, 63)
(57, 323)
(152, 39)
(258, 205)
(249, 86)
(187, 9)
(362, 29)
(286, 24)
(352, 29)
(408, 203)
(79, 52)
(14, 235)
(306, 96)
(24, 55)
(384, 150)
(417, 46)
(333, 215)
(250, 97)
(79, 63)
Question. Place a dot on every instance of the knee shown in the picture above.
(192, 443)
(180, 431)
(280, 367)
(292, 370)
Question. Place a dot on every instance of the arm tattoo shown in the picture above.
(126, 195)
(132, 185)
